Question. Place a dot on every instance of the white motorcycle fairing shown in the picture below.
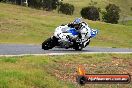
(61, 32)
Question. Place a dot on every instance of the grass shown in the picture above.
(30, 26)
(129, 23)
(60, 71)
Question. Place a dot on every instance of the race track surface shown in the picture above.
(18, 49)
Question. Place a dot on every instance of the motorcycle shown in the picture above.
(66, 37)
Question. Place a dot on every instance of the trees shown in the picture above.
(66, 8)
(35, 3)
(112, 14)
(49, 4)
(90, 12)
(45, 4)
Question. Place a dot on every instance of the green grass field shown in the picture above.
(61, 71)
(25, 25)
(129, 23)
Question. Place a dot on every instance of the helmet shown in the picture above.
(77, 21)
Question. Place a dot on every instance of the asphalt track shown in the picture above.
(23, 49)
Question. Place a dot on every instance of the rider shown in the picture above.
(77, 25)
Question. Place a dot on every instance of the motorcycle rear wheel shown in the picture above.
(78, 47)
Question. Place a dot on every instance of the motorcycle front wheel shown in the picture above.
(49, 43)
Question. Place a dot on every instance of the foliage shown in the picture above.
(90, 12)
(50, 4)
(45, 4)
(92, 3)
(66, 8)
(38, 4)
(112, 14)
(35, 3)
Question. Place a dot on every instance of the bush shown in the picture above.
(35, 3)
(5, 1)
(93, 3)
(112, 14)
(66, 8)
(45, 4)
(50, 4)
(90, 12)
(18, 2)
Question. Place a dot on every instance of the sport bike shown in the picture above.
(66, 37)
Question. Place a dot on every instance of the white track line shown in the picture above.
(67, 54)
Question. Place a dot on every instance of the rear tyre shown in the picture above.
(78, 46)
(49, 43)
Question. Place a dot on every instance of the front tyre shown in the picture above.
(49, 43)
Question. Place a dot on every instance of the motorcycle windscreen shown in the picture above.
(94, 33)
(73, 31)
